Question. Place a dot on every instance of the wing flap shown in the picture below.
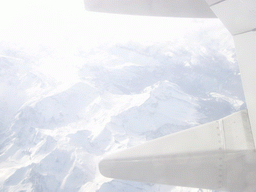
(171, 8)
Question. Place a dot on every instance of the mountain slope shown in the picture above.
(53, 135)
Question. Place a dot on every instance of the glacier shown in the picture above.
(53, 134)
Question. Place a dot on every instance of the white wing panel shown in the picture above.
(207, 156)
(237, 132)
(238, 16)
(171, 8)
(246, 54)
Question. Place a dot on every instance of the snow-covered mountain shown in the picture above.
(52, 135)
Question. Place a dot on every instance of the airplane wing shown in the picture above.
(173, 8)
(219, 155)
(216, 155)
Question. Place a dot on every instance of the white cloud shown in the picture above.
(66, 24)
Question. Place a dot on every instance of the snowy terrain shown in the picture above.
(56, 126)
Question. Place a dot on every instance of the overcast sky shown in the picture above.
(65, 23)
(65, 27)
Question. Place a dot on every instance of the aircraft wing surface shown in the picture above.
(173, 8)
(219, 155)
